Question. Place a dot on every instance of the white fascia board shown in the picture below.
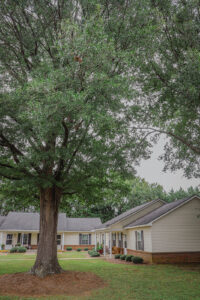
(148, 204)
(136, 226)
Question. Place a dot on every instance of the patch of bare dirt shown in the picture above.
(67, 283)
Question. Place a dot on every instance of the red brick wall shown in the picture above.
(147, 256)
(167, 258)
(74, 247)
(176, 258)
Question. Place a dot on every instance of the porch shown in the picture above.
(113, 242)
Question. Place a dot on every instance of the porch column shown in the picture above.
(104, 245)
(110, 234)
(1, 239)
(22, 239)
(95, 241)
(63, 241)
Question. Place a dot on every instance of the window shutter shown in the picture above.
(90, 239)
(142, 236)
(38, 237)
(80, 239)
(29, 239)
(136, 247)
(19, 238)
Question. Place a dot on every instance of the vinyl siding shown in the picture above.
(131, 243)
(130, 219)
(179, 231)
(72, 238)
(34, 239)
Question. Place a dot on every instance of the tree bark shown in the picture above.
(46, 260)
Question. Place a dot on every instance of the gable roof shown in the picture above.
(30, 221)
(159, 212)
(2, 219)
(82, 224)
(127, 213)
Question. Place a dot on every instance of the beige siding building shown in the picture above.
(157, 231)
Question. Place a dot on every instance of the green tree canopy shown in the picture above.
(168, 78)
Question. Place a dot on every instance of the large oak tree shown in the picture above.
(66, 86)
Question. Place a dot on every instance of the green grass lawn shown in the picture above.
(138, 282)
(67, 254)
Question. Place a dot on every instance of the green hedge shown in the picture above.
(117, 256)
(69, 248)
(13, 250)
(137, 260)
(128, 257)
(93, 253)
(86, 249)
(78, 249)
(21, 249)
(122, 257)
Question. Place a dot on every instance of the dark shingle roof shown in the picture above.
(30, 221)
(126, 214)
(150, 217)
(82, 224)
(2, 219)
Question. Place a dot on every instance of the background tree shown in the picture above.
(169, 75)
(66, 86)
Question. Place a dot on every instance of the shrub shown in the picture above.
(78, 249)
(18, 245)
(86, 249)
(95, 254)
(2, 247)
(128, 257)
(69, 248)
(117, 256)
(21, 249)
(122, 257)
(137, 260)
(13, 250)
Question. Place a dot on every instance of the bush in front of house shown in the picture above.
(2, 246)
(13, 250)
(21, 249)
(69, 248)
(128, 258)
(137, 260)
(122, 257)
(18, 245)
(117, 256)
(86, 249)
(78, 249)
(93, 253)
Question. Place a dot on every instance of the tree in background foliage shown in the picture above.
(168, 78)
(66, 88)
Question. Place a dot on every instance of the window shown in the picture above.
(139, 237)
(25, 239)
(120, 239)
(114, 239)
(9, 239)
(125, 241)
(85, 239)
(58, 239)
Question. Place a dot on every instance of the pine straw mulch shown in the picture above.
(68, 283)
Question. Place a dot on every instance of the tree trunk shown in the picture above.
(46, 260)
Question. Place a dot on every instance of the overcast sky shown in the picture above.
(151, 171)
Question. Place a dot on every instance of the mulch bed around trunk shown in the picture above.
(68, 283)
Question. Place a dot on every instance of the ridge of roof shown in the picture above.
(127, 213)
(30, 221)
(159, 212)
